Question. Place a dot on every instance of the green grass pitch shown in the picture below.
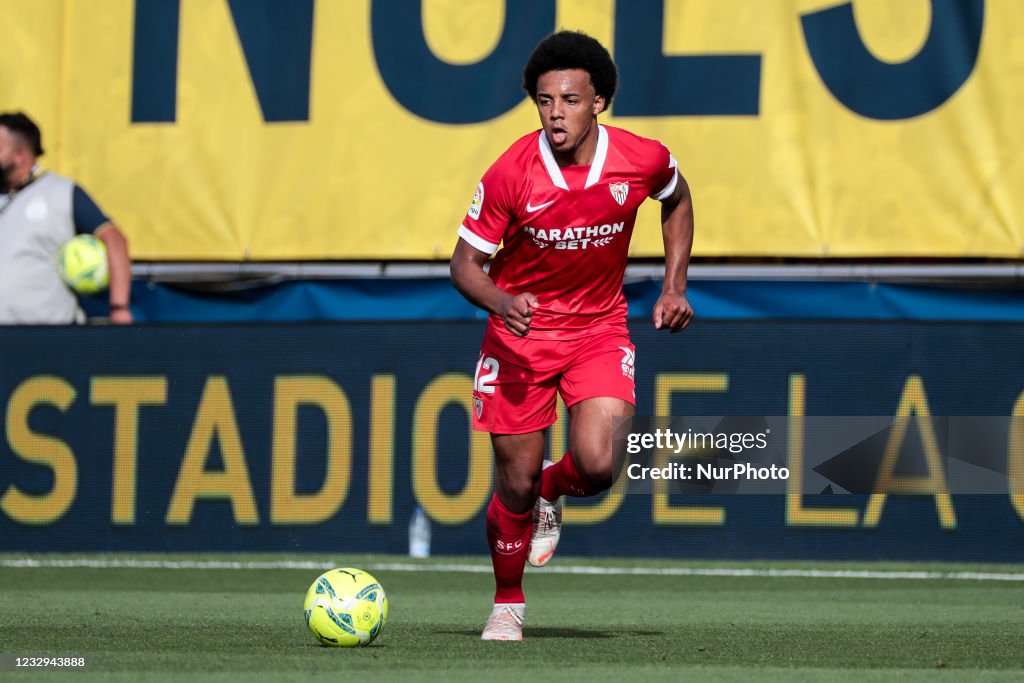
(245, 624)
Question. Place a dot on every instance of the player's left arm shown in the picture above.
(120, 265)
(672, 311)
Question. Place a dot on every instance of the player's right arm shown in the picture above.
(493, 210)
(469, 277)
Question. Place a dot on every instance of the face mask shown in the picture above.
(5, 185)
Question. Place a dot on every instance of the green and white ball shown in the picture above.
(82, 264)
(346, 608)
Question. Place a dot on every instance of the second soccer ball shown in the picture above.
(82, 264)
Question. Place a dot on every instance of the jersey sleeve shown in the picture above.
(664, 173)
(86, 214)
(491, 211)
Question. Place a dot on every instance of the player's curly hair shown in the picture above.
(25, 128)
(572, 50)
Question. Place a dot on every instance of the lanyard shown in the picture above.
(9, 198)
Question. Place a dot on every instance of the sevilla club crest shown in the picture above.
(620, 191)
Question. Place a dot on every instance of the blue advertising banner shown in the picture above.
(325, 437)
(362, 300)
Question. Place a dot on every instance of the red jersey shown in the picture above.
(566, 230)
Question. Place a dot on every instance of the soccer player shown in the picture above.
(562, 201)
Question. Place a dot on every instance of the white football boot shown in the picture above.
(547, 529)
(505, 622)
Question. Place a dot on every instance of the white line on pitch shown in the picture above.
(28, 562)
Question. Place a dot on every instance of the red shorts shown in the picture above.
(516, 380)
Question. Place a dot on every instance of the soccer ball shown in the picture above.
(346, 608)
(82, 264)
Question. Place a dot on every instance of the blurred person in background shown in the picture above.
(39, 212)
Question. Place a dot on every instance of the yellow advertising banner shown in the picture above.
(358, 129)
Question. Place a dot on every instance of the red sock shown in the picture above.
(563, 478)
(508, 536)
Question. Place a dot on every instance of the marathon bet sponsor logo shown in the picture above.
(575, 238)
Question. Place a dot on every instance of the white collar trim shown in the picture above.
(596, 167)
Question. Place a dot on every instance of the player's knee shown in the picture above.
(519, 491)
(525, 489)
(597, 471)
